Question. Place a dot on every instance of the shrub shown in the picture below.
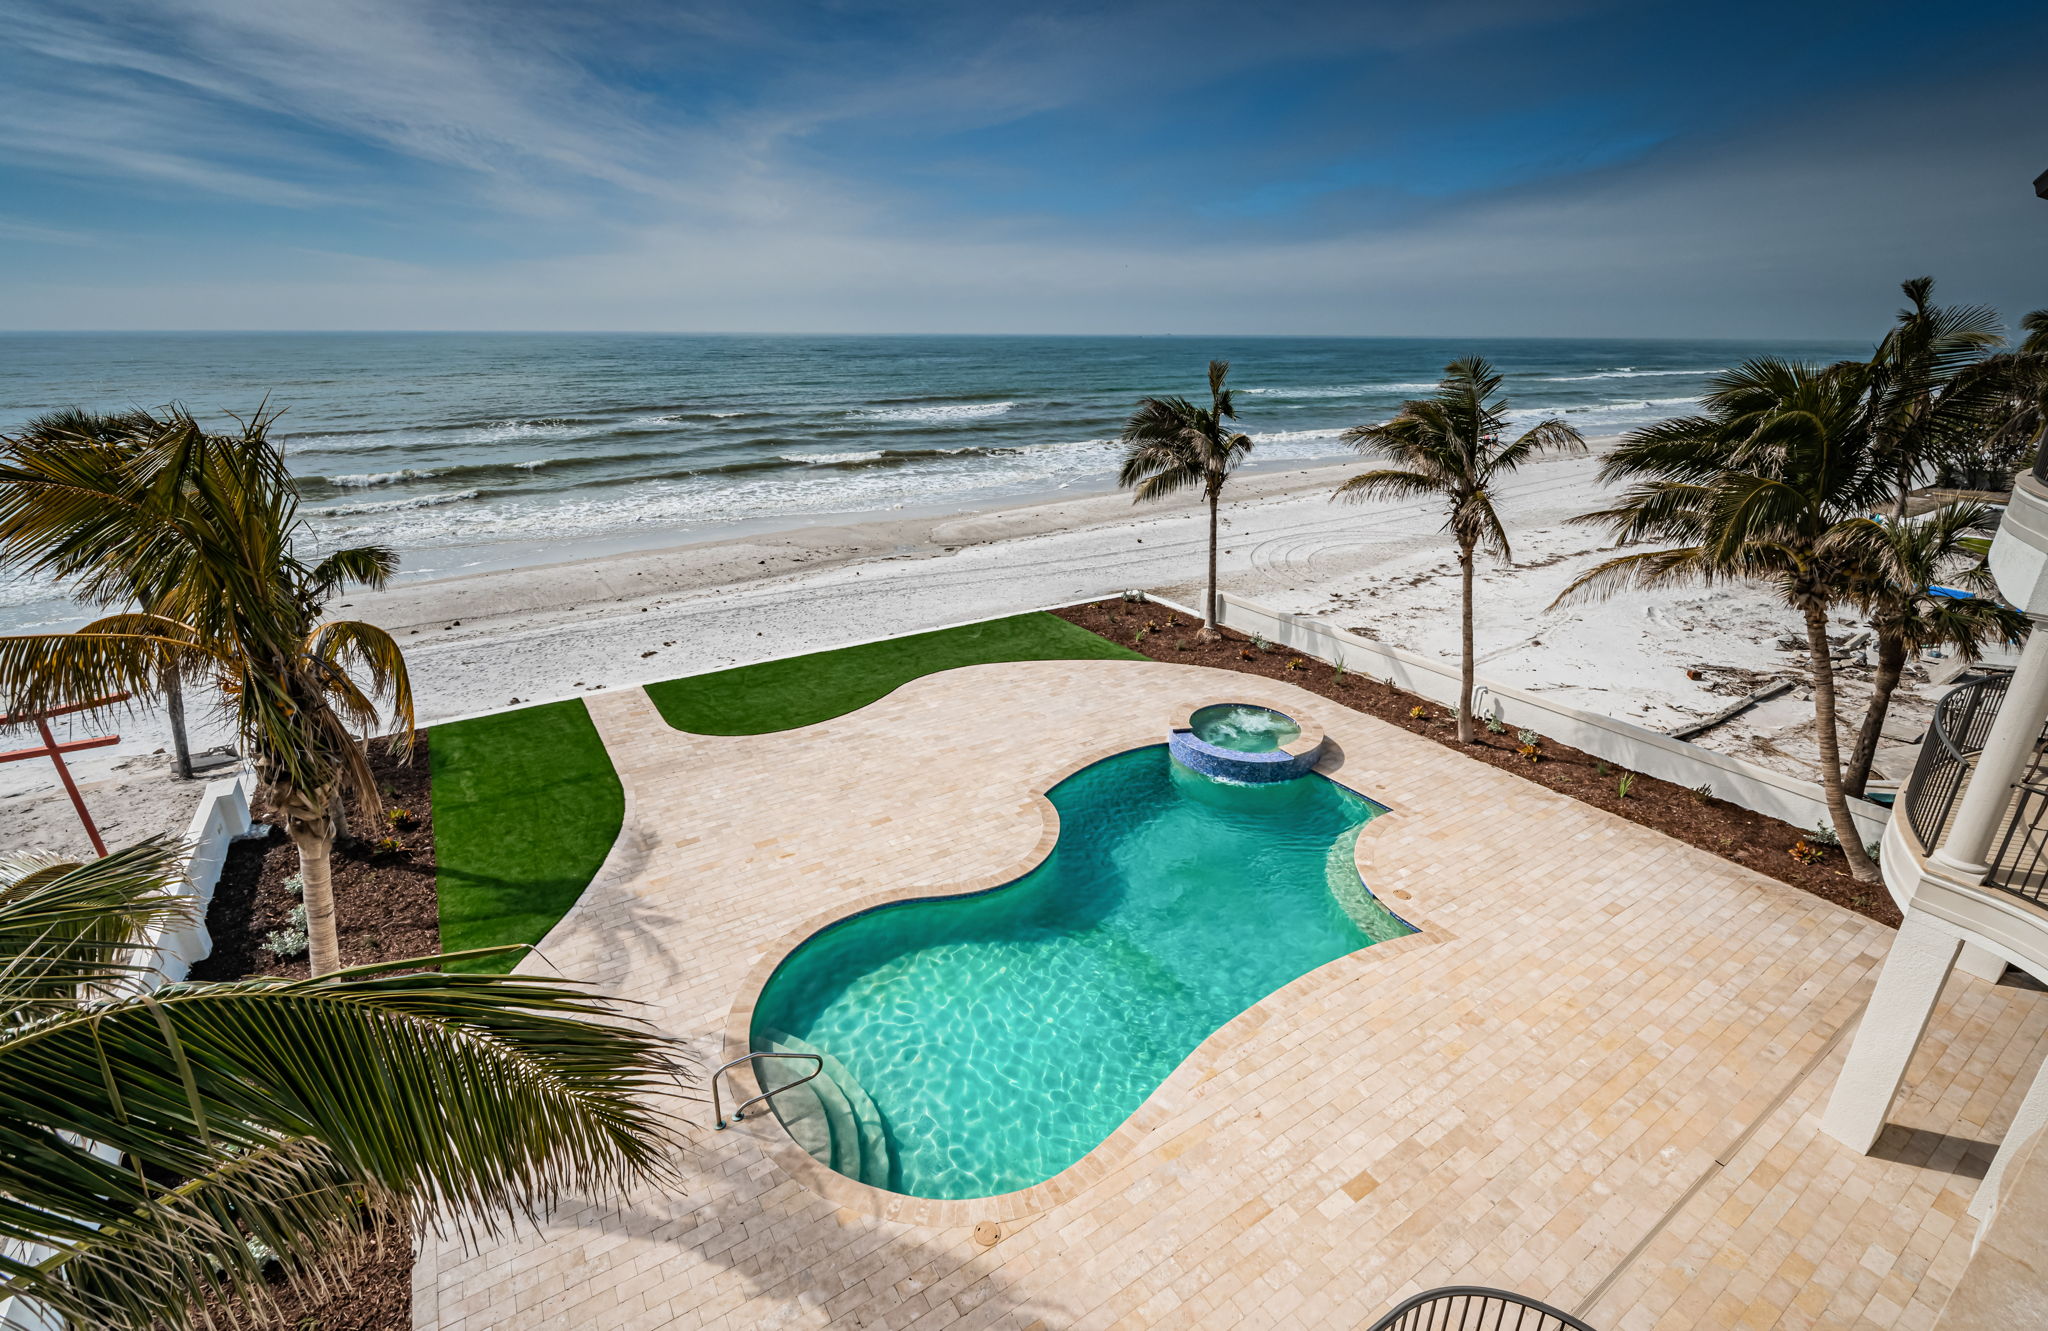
(289, 941)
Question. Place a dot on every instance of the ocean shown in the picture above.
(471, 451)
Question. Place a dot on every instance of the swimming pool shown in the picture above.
(981, 1044)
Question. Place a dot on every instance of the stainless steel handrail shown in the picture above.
(741, 1112)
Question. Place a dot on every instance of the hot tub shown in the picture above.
(1246, 742)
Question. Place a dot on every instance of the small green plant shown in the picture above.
(1823, 835)
(398, 817)
(1138, 638)
(1261, 643)
(1530, 745)
(296, 885)
(1496, 726)
(1805, 852)
(1297, 664)
(1623, 784)
(1703, 792)
(1873, 850)
(1599, 768)
(1418, 713)
(289, 941)
(385, 845)
(1337, 671)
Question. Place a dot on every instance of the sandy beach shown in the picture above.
(490, 640)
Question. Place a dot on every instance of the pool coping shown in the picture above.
(1124, 1144)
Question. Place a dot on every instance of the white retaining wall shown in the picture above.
(1622, 743)
(222, 815)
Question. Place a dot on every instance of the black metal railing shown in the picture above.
(1962, 721)
(1476, 1308)
(2020, 865)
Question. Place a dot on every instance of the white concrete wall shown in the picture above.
(222, 815)
(1622, 743)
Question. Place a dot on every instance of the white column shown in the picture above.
(1966, 850)
(2029, 1119)
(1981, 962)
(1918, 965)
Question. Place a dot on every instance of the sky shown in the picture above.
(1506, 167)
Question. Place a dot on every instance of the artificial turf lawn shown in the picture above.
(804, 690)
(526, 807)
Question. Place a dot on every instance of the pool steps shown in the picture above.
(836, 1122)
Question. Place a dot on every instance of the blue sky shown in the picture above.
(1632, 169)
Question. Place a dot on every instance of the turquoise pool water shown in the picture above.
(985, 1043)
(1242, 727)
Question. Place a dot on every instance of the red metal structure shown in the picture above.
(55, 752)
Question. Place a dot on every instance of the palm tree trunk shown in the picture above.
(1209, 599)
(1891, 667)
(314, 839)
(1465, 643)
(1860, 863)
(174, 704)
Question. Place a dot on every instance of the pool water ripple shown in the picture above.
(1004, 1035)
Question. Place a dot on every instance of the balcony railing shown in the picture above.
(1475, 1308)
(1962, 721)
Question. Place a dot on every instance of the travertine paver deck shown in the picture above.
(1596, 1077)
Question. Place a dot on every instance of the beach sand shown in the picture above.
(481, 641)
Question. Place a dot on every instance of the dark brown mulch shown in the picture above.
(1748, 838)
(384, 898)
(386, 910)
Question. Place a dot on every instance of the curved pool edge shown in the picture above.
(1122, 1145)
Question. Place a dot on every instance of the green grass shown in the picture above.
(526, 807)
(804, 690)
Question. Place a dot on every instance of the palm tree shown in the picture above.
(1925, 405)
(1772, 485)
(1902, 563)
(200, 532)
(1449, 446)
(1170, 444)
(157, 1148)
(57, 429)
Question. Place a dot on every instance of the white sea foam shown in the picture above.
(1343, 390)
(952, 411)
(831, 459)
(366, 480)
(393, 505)
(1624, 373)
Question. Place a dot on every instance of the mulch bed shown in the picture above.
(1746, 837)
(385, 906)
(386, 911)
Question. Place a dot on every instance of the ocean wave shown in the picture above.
(394, 505)
(1605, 408)
(952, 411)
(1344, 390)
(1625, 373)
(367, 480)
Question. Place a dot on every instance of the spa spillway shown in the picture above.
(1235, 741)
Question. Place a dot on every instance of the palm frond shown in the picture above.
(466, 1097)
(67, 927)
